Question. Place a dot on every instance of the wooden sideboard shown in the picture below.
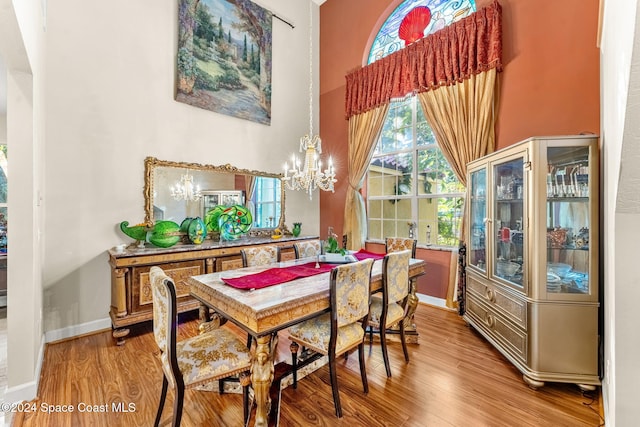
(131, 301)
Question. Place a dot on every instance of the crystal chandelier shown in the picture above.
(184, 190)
(309, 175)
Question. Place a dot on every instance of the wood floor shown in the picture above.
(454, 378)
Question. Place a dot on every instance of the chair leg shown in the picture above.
(385, 355)
(245, 404)
(363, 368)
(404, 341)
(294, 362)
(177, 405)
(334, 384)
(163, 397)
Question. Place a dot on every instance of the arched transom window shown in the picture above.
(413, 17)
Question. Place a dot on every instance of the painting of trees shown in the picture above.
(224, 57)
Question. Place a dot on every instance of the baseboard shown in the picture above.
(29, 390)
(77, 330)
(436, 302)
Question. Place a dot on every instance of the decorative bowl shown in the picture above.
(234, 221)
(559, 269)
(507, 268)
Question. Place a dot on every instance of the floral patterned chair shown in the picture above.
(343, 328)
(211, 355)
(260, 255)
(390, 309)
(308, 248)
(395, 244)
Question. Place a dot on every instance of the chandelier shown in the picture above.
(309, 175)
(184, 190)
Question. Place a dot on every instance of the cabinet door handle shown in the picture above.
(491, 296)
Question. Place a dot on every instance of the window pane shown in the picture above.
(449, 220)
(400, 189)
(375, 229)
(3, 174)
(443, 13)
(375, 209)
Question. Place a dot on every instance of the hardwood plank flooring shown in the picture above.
(454, 378)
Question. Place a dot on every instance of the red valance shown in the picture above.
(451, 55)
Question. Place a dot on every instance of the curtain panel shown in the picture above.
(455, 53)
(364, 131)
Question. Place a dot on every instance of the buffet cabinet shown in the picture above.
(131, 301)
(532, 257)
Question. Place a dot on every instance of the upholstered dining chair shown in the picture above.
(343, 328)
(260, 255)
(211, 355)
(309, 248)
(395, 244)
(390, 309)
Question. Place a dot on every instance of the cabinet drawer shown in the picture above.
(141, 299)
(500, 300)
(229, 263)
(511, 338)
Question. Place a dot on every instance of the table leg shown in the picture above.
(261, 379)
(412, 303)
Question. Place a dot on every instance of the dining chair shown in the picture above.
(390, 309)
(260, 255)
(309, 248)
(395, 244)
(212, 355)
(342, 328)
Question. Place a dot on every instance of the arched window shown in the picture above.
(411, 189)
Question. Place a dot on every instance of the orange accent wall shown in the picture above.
(549, 84)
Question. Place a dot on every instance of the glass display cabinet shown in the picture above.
(532, 256)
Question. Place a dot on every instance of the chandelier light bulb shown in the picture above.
(185, 190)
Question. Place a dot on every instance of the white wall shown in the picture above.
(20, 46)
(109, 91)
(620, 112)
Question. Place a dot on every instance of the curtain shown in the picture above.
(364, 130)
(463, 49)
(463, 121)
(454, 72)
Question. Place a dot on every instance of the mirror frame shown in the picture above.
(150, 163)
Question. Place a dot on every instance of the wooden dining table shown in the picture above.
(265, 311)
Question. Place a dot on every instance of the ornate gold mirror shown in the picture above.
(175, 190)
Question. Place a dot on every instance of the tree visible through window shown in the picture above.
(411, 189)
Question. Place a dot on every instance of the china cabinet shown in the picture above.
(532, 256)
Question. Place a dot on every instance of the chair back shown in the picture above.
(395, 275)
(349, 291)
(260, 255)
(163, 292)
(395, 244)
(308, 248)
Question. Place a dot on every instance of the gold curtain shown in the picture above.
(364, 130)
(462, 117)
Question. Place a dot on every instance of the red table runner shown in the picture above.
(277, 275)
(362, 254)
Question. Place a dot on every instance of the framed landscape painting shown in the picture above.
(224, 57)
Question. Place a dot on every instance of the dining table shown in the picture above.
(249, 298)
